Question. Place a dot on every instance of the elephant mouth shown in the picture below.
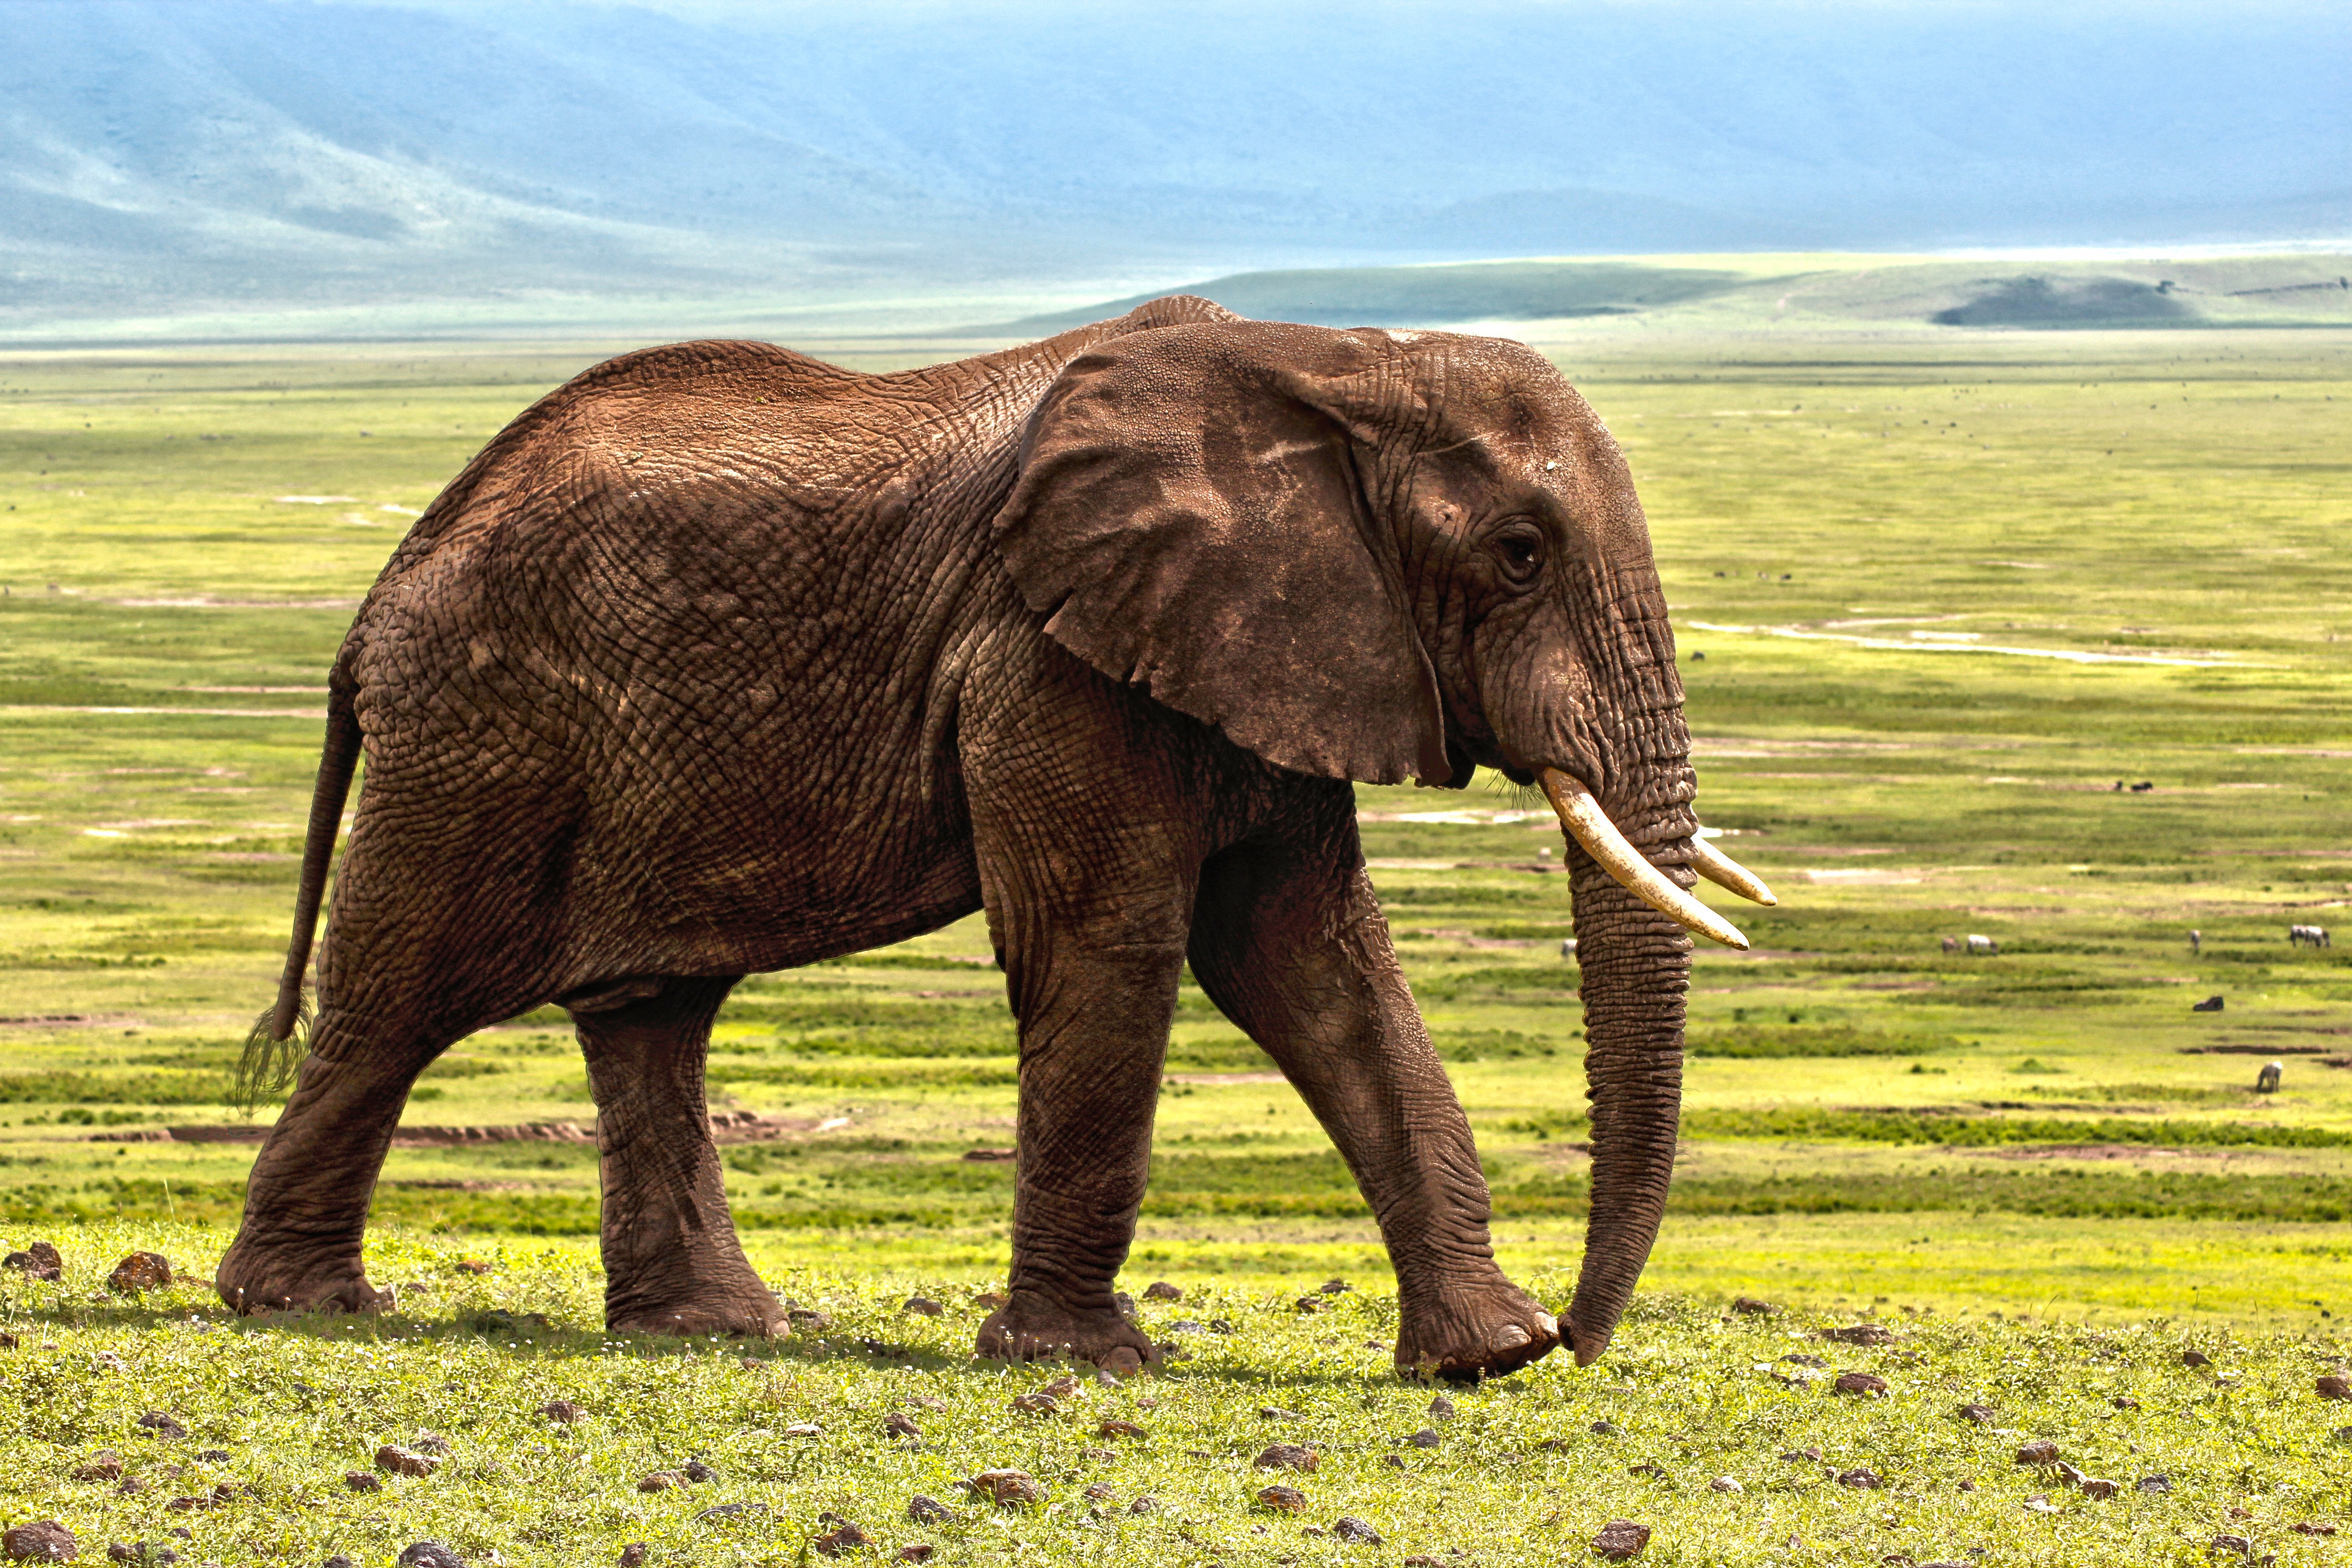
(1590, 827)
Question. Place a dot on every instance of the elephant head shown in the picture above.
(1370, 555)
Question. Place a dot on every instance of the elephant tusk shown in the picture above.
(1724, 872)
(1590, 826)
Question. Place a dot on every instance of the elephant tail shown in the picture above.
(280, 1038)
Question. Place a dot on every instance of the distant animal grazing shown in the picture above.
(2267, 1081)
(2209, 1004)
(2307, 935)
(1981, 946)
(1568, 947)
(1951, 944)
(2197, 941)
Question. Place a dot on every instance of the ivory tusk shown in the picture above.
(1724, 872)
(1586, 823)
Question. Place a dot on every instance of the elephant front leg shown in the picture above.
(1289, 942)
(672, 1261)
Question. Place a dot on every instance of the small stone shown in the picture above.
(1607, 1429)
(1859, 1478)
(731, 1510)
(44, 1540)
(1751, 1307)
(1802, 1456)
(1355, 1531)
(1288, 1456)
(899, 1424)
(564, 1411)
(41, 1260)
(1035, 1404)
(2041, 1452)
(1309, 1304)
(1801, 1359)
(1982, 1415)
(472, 1266)
(1113, 1427)
(2067, 1474)
(2099, 1486)
(634, 1554)
(2153, 1483)
(1621, 1538)
(2334, 1387)
(1143, 1505)
(1101, 1491)
(107, 1360)
(105, 1465)
(1440, 1408)
(804, 1429)
(2124, 1402)
(1162, 1290)
(660, 1480)
(2040, 1503)
(2196, 1358)
(362, 1480)
(841, 1538)
(916, 1551)
(428, 1554)
(2342, 1434)
(2237, 1543)
(1424, 1439)
(697, 1472)
(1335, 1286)
(924, 1510)
(401, 1461)
(1064, 1388)
(1726, 1484)
(1860, 1333)
(125, 1551)
(432, 1443)
(214, 1455)
(1006, 1489)
(1283, 1500)
(922, 1307)
(140, 1271)
(1277, 1412)
(1861, 1384)
(162, 1426)
(2311, 1527)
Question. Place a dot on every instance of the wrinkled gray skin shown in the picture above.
(721, 660)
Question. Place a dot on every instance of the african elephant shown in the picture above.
(721, 660)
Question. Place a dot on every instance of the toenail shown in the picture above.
(1511, 1338)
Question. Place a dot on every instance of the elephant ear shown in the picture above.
(1188, 519)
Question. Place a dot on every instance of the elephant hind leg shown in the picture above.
(672, 1261)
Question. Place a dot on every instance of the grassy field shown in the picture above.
(1950, 590)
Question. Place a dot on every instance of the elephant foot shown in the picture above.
(1468, 1334)
(251, 1280)
(734, 1303)
(1035, 1327)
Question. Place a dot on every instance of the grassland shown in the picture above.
(1949, 588)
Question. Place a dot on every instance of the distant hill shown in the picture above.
(210, 154)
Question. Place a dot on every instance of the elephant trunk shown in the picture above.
(1636, 978)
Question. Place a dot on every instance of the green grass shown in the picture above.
(1874, 1126)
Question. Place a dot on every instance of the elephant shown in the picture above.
(721, 660)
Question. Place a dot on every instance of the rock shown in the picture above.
(1101, 1491)
(1355, 1531)
(140, 1271)
(564, 1411)
(922, 1307)
(1859, 1478)
(1143, 1505)
(731, 1510)
(899, 1424)
(697, 1472)
(107, 1360)
(472, 1266)
(1859, 1384)
(2124, 1402)
(1802, 1456)
(2067, 1474)
(1288, 1456)
(1726, 1484)
(1424, 1439)
(1621, 1538)
(2311, 1527)
(1219, 1325)
(1607, 1429)
(2041, 1452)
(1308, 1304)
(2237, 1543)
(1751, 1307)
(214, 1455)
(162, 1426)
(2334, 1387)
(401, 1461)
(1335, 1286)
(105, 1465)
(924, 1510)
(1064, 1388)
(1860, 1333)
(2196, 1358)
(1035, 1404)
(41, 1260)
(1283, 1500)
(804, 1429)
(634, 1554)
(1440, 1408)
(431, 1443)
(660, 1480)
(2040, 1503)
(1980, 1413)
(1162, 1290)
(1800, 1358)
(362, 1480)
(1277, 1412)
(916, 1551)
(1006, 1489)
(122, 1551)
(2099, 1486)
(1113, 1427)
(8, 1342)
(843, 1536)
(2342, 1434)
(428, 1554)
(43, 1540)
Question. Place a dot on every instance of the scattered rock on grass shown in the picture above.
(471, 1266)
(1440, 1408)
(162, 1426)
(1306, 1305)
(1144, 1504)
(1335, 1286)
(1424, 1439)
(922, 1307)
(730, 1511)
(2236, 1543)
(1860, 1333)
(1162, 1290)
(1726, 1484)
(1355, 1531)
(564, 1411)
(1283, 1500)
(1277, 1412)
(2153, 1483)
(916, 1551)
(1288, 1456)
(1101, 1491)
(2334, 1387)
(1035, 1404)
(1982, 1415)
(400, 1462)
(1607, 1429)
(1860, 1384)
(43, 1540)
(697, 1472)
(1113, 1427)
(2196, 1358)
(431, 1443)
(105, 1465)
(843, 1536)
(2311, 1527)
(1751, 1306)
(428, 1554)
(2124, 1402)
(1006, 1489)
(140, 1271)
(660, 1480)
(2041, 1452)
(1861, 1479)
(361, 1480)
(899, 1424)
(634, 1554)
(1621, 1538)
(2100, 1487)
(41, 1260)
(924, 1510)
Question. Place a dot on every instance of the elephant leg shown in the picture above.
(1290, 941)
(306, 1203)
(672, 1261)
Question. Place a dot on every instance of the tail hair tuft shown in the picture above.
(267, 1066)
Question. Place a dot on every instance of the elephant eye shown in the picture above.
(1520, 547)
